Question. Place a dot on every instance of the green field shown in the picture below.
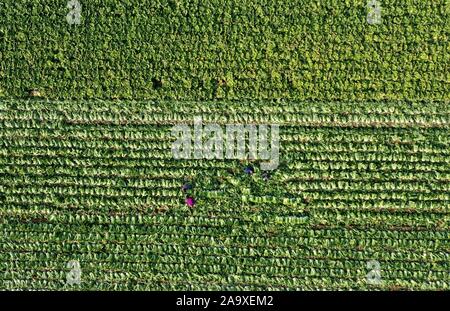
(87, 172)
(97, 182)
(229, 49)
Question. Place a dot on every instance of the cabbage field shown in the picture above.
(93, 197)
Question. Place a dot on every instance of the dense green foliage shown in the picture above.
(364, 119)
(229, 49)
(96, 182)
